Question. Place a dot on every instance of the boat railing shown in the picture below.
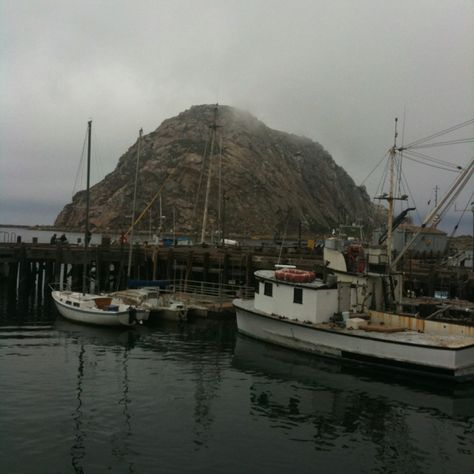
(7, 237)
(214, 290)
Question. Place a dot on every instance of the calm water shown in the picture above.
(198, 398)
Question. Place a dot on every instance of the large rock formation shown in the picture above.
(272, 182)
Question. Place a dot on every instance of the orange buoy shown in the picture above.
(294, 275)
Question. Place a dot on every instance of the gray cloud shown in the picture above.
(335, 71)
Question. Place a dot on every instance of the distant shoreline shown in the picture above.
(34, 227)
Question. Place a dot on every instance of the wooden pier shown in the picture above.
(29, 268)
(32, 267)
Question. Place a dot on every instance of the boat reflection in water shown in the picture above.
(336, 407)
(92, 342)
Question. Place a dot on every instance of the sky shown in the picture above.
(335, 71)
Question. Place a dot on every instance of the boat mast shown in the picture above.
(213, 127)
(86, 232)
(132, 227)
(391, 197)
(219, 204)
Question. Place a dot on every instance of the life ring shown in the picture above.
(294, 275)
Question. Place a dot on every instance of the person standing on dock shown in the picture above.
(63, 239)
(53, 239)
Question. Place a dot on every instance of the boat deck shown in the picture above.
(408, 337)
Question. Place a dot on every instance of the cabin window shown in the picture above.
(268, 290)
(298, 295)
(68, 302)
(76, 304)
(257, 287)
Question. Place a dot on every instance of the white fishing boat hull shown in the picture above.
(79, 308)
(444, 356)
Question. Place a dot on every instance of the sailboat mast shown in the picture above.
(390, 197)
(86, 231)
(132, 228)
(208, 186)
(219, 204)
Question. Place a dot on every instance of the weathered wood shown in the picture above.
(225, 268)
(205, 266)
(170, 264)
(40, 278)
(248, 270)
(196, 263)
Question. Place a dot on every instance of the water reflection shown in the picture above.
(92, 342)
(122, 448)
(334, 406)
(78, 449)
(204, 347)
(319, 374)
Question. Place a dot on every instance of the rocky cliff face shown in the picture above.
(271, 182)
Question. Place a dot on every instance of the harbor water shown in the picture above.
(199, 398)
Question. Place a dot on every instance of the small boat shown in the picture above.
(99, 310)
(154, 299)
(89, 308)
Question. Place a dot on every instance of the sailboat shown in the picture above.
(88, 308)
(342, 317)
(163, 304)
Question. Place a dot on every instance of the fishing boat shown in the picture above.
(352, 314)
(310, 316)
(89, 308)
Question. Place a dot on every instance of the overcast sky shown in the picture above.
(336, 71)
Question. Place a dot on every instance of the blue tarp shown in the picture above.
(133, 284)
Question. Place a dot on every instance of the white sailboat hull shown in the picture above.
(407, 350)
(81, 308)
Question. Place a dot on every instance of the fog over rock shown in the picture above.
(272, 182)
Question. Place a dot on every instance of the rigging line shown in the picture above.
(461, 183)
(376, 166)
(98, 157)
(382, 180)
(462, 214)
(198, 193)
(427, 164)
(399, 172)
(80, 166)
(410, 196)
(442, 132)
(448, 142)
(140, 217)
(426, 157)
(404, 123)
